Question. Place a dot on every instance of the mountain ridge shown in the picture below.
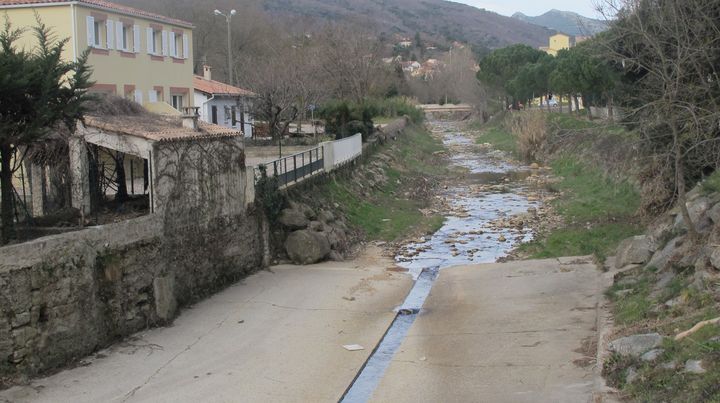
(567, 22)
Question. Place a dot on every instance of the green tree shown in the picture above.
(38, 92)
(500, 67)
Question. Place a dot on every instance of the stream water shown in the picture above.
(491, 190)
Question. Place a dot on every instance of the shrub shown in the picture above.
(344, 118)
(530, 131)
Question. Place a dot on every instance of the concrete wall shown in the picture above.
(64, 296)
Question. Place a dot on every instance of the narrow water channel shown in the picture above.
(491, 190)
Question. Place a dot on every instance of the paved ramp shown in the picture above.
(502, 333)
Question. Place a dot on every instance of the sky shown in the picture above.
(535, 7)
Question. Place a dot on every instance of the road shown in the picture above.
(492, 333)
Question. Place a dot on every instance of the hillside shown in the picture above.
(565, 21)
(441, 20)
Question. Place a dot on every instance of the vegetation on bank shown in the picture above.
(598, 211)
(636, 299)
(387, 206)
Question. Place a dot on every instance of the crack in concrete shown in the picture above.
(131, 394)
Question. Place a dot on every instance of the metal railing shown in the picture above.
(294, 168)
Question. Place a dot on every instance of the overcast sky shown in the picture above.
(534, 7)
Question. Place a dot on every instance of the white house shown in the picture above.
(223, 104)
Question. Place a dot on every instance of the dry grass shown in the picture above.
(531, 132)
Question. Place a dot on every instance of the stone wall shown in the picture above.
(64, 296)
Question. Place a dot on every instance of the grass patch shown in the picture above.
(598, 213)
(499, 138)
(386, 213)
(599, 240)
(590, 196)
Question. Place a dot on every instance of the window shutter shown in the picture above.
(186, 46)
(119, 36)
(138, 97)
(150, 41)
(136, 38)
(110, 34)
(164, 43)
(173, 45)
(152, 96)
(91, 31)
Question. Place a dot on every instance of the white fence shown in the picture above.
(341, 152)
(327, 157)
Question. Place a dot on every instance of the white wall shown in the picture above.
(201, 100)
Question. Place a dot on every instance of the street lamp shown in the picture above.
(228, 17)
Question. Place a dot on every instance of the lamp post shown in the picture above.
(228, 17)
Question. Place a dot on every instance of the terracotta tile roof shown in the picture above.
(218, 88)
(158, 127)
(104, 5)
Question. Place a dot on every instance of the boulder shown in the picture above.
(293, 219)
(714, 213)
(304, 208)
(697, 208)
(694, 367)
(715, 258)
(307, 247)
(635, 345)
(316, 226)
(326, 216)
(337, 238)
(662, 257)
(652, 355)
(636, 250)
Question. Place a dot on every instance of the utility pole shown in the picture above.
(228, 18)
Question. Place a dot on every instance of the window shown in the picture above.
(179, 45)
(96, 34)
(124, 37)
(177, 102)
(97, 26)
(154, 41)
(233, 115)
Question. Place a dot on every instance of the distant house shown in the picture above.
(558, 42)
(223, 104)
(134, 54)
(405, 44)
(410, 67)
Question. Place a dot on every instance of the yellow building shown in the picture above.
(133, 53)
(558, 42)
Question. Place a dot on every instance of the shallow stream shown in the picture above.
(491, 190)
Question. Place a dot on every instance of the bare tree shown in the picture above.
(352, 62)
(285, 80)
(672, 49)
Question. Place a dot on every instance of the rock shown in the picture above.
(293, 219)
(696, 208)
(307, 247)
(335, 256)
(337, 238)
(534, 165)
(316, 226)
(631, 375)
(635, 345)
(674, 302)
(304, 209)
(714, 213)
(694, 367)
(326, 216)
(668, 365)
(661, 257)
(715, 258)
(636, 250)
(652, 355)
(502, 239)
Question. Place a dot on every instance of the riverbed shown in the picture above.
(488, 188)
